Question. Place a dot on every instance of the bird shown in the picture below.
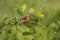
(24, 18)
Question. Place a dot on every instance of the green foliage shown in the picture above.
(26, 33)
(43, 23)
(33, 20)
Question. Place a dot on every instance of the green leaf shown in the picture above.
(0, 32)
(19, 12)
(26, 33)
(56, 39)
(5, 18)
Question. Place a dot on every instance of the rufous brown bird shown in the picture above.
(24, 18)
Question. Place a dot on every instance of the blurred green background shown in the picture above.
(50, 29)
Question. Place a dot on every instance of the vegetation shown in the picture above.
(43, 22)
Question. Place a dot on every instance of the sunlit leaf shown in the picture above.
(31, 10)
(39, 14)
(23, 7)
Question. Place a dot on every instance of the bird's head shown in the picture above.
(27, 15)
